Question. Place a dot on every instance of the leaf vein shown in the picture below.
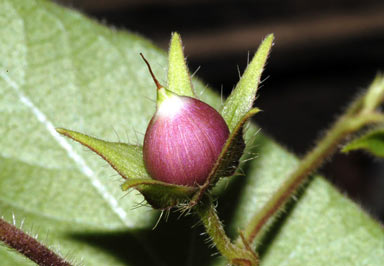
(79, 161)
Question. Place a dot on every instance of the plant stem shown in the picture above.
(236, 255)
(15, 238)
(357, 116)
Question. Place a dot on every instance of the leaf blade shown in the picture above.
(372, 141)
(38, 177)
(303, 235)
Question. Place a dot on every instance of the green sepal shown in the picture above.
(242, 97)
(161, 195)
(229, 158)
(179, 80)
(126, 159)
(372, 141)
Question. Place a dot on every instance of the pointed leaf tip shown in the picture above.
(179, 80)
(270, 37)
(60, 130)
(242, 97)
(375, 94)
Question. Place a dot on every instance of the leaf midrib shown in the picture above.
(81, 164)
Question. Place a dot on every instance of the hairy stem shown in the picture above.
(358, 115)
(15, 238)
(236, 255)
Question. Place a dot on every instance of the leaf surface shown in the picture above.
(61, 69)
(320, 227)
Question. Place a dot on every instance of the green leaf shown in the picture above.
(372, 141)
(320, 227)
(179, 80)
(60, 69)
(242, 97)
(53, 73)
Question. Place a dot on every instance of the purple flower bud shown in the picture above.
(183, 140)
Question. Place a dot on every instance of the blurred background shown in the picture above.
(325, 53)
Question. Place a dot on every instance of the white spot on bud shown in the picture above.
(170, 106)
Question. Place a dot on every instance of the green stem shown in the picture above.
(236, 255)
(357, 116)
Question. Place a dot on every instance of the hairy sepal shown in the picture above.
(127, 160)
(179, 80)
(229, 158)
(161, 195)
(240, 102)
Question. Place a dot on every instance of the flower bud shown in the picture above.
(183, 140)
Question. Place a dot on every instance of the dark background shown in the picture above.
(325, 53)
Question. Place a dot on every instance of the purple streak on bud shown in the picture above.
(183, 140)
